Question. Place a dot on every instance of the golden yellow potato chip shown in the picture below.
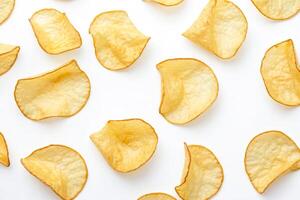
(277, 9)
(126, 144)
(4, 158)
(59, 167)
(6, 8)
(281, 74)
(62, 92)
(168, 2)
(221, 28)
(8, 57)
(156, 196)
(54, 31)
(189, 88)
(118, 43)
(268, 156)
(202, 174)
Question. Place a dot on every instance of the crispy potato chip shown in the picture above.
(189, 88)
(6, 8)
(202, 174)
(168, 2)
(59, 167)
(277, 9)
(126, 144)
(62, 92)
(4, 158)
(221, 28)
(118, 43)
(281, 74)
(8, 57)
(54, 31)
(156, 196)
(270, 155)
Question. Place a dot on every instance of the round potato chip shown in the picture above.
(6, 8)
(281, 74)
(62, 92)
(8, 57)
(59, 167)
(189, 88)
(54, 31)
(202, 174)
(118, 43)
(270, 155)
(156, 196)
(277, 9)
(221, 28)
(126, 144)
(168, 2)
(4, 158)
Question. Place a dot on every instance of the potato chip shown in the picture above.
(268, 156)
(54, 31)
(6, 8)
(59, 167)
(156, 196)
(202, 174)
(62, 92)
(4, 158)
(8, 57)
(281, 74)
(126, 144)
(118, 43)
(221, 28)
(189, 88)
(277, 9)
(168, 2)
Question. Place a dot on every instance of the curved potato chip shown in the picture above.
(189, 88)
(8, 57)
(270, 155)
(277, 9)
(6, 8)
(126, 144)
(62, 92)
(156, 196)
(54, 31)
(168, 2)
(281, 74)
(118, 43)
(203, 174)
(59, 167)
(4, 158)
(221, 28)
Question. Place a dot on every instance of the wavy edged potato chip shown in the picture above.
(118, 43)
(62, 92)
(8, 57)
(189, 88)
(4, 158)
(281, 74)
(202, 174)
(270, 155)
(221, 28)
(6, 8)
(167, 2)
(126, 144)
(156, 196)
(60, 167)
(54, 31)
(277, 9)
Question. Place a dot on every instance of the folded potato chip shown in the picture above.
(59, 167)
(4, 158)
(202, 174)
(126, 144)
(62, 92)
(168, 2)
(54, 31)
(221, 28)
(268, 156)
(189, 88)
(8, 57)
(6, 8)
(156, 196)
(281, 74)
(118, 43)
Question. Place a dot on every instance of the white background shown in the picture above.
(242, 110)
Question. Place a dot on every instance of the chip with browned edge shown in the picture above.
(4, 158)
(6, 8)
(156, 196)
(8, 57)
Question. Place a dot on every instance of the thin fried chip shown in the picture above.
(203, 174)
(281, 74)
(277, 9)
(62, 92)
(59, 167)
(189, 88)
(118, 43)
(54, 31)
(156, 196)
(168, 2)
(8, 57)
(221, 28)
(6, 8)
(126, 144)
(4, 158)
(268, 156)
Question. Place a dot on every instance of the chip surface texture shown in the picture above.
(8, 57)
(6, 8)
(156, 196)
